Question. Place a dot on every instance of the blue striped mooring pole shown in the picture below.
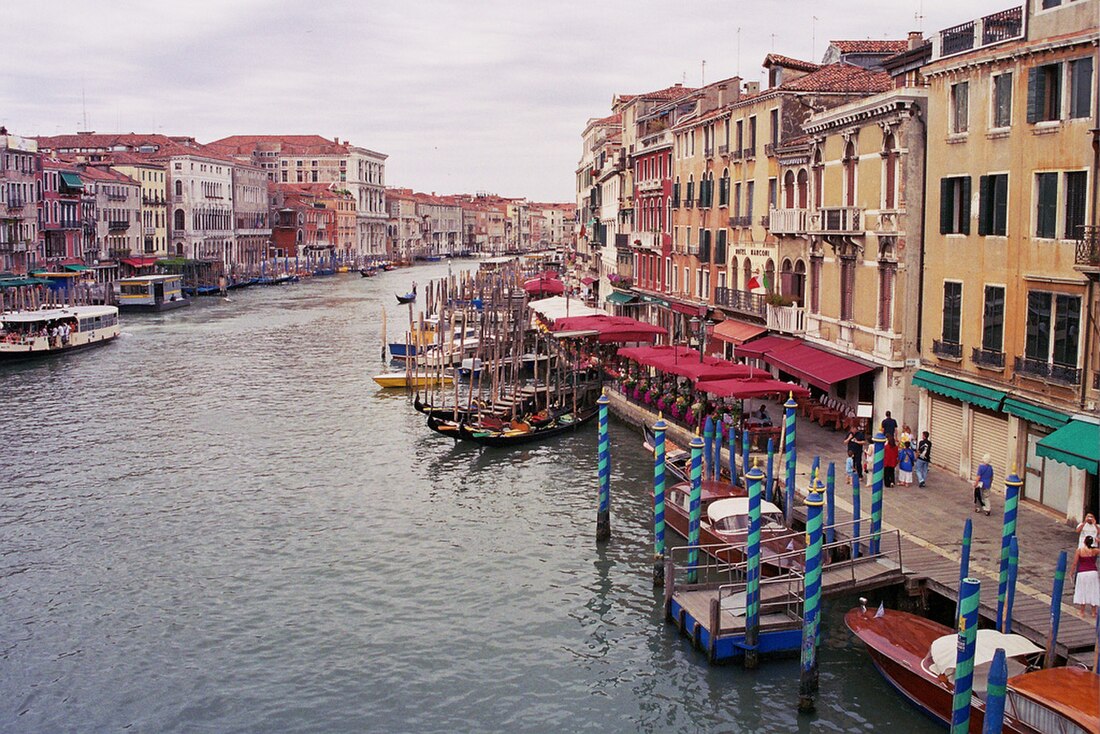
(857, 515)
(745, 446)
(752, 569)
(695, 504)
(1008, 532)
(789, 455)
(659, 429)
(1013, 569)
(603, 514)
(996, 683)
(769, 476)
(1056, 608)
(830, 503)
(733, 455)
(964, 562)
(815, 467)
(964, 655)
(808, 678)
(876, 492)
(716, 465)
(708, 451)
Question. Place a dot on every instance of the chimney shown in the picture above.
(752, 88)
(721, 96)
(915, 38)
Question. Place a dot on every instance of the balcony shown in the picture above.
(735, 154)
(648, 185)
(708, 153)
(769, 150)
(947, 350)
(15, 202)
(840, 220)
(957, 39)
(1086, 256)
(724, 151)
(741, 221)
(788, 221)
(116, 197)
(116, 225)
(742, 301)
(748, 153)
(1005, 25)
(152, 200)
(988, 358)
(647, 241)
(1049, 371)
(786, 319)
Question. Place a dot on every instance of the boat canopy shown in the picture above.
(736, 506)
(50, 314)
(944, 650)
(558, 307)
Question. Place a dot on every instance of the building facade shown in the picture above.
(200, 204)
(251, 224)
(154, 202)
(117, 213)
(20, 168)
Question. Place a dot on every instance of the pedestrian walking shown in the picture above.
(924, 456)
(1086, 586)
(1086, 528)
(850, 469)
(906, 436)
(906, 458)
(982, 484)
(855, 441)
(889, 426)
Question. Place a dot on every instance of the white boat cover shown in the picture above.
(736, 506)
(49, 314)
(558, 307)
(944, 650)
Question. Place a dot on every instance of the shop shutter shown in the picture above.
(946, 433)
(989, 435)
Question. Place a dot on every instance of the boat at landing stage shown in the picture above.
(151, 293)
(917, 657)
(413, 379)
(26, 334)
(498, 433)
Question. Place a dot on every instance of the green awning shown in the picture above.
(16, 282)
(76, 268)
(653, 299)
(968, 392)
(620, 298)
(71, 180)
(1035, 413)
(1077, 443)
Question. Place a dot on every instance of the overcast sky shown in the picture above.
(463, 96)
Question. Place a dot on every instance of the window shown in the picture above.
(749, 190)
(850, 162)
(1044, 93)
(1080, 87)
(737, 199)
(955, 205)
(993, 205)
(775, 127)
(890, 162)
(815, 283)
(886, 273)
(1047, 4)
(752, 134)
(952, 311)
(179, 187)
(1076, 184)
(773, 193)
(740, 135)
(676, 193)
(1046, 211)
(993, 319)
(960, 107)
(690, 197)
(1002, 100)
(724, 189)
(179, 220)
(1064, 313)
(847, 286)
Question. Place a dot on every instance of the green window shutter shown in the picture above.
(1048, 205)
(984, 204)
(1035, 84)
(945, 205)
(1000, 205)
(964, 207)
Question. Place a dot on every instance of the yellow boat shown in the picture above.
(416, 379)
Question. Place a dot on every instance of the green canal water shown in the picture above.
(219, 524)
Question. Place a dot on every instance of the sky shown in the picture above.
(464, 96)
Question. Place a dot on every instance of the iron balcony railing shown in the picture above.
(738, 300)
(769, 149)
(840, 220)
(950, 350)
(741, 221)
(1003, 26)
(116, 224)
(748, 153)
(957, 39)
(723, 150)
(1062, 374)
(1087, 253)
(988, 358)
(15, 202)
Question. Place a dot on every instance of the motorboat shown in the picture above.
(151, 293)
(53, 330)
(413, 379)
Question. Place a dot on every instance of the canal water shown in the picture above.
(219, 524)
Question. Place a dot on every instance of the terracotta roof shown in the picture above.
(615, 119)
(840, 77)
(100, 173)
(290, 144)
(664, 95)
(870, 47)
(790, 63)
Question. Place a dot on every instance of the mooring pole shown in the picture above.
(733, 455)
(752, 570)
(856, 515)
(964, 564)
(876, 493)
(659, 429)
(994, 720)
(830, 503)
(1008, 532)
(708, 450)
(769, 478)
(1055, 608)
(716, 467)
(603, 515)
(789, 455)
(1013, 569)
(964, 655)
(745, 445)
(815, 467)
(695, 504)
(808, 678)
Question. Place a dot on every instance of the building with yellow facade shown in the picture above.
(154, 204)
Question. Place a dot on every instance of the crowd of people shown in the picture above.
(58, 333)
(905, 458)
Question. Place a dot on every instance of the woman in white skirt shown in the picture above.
(1086, 589)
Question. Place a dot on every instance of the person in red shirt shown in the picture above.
(889, 461)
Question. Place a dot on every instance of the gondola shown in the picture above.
(367, 272)
(442, 414)
(515, 437)
(407, 298)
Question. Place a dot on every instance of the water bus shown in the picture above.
(151, 293)
(56, 329)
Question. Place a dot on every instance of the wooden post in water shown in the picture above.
(1010, 594)
(830, 503)
(603, 515)
(769, 478)
(659, 429)
(1055, 609)
(994, 720)
(964, 564)
(752, 570)
(695, 507)
(1008, 532)
(808, 678)
(964, 655)
(877, 469)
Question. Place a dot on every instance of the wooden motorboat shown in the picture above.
(414, 379)
(917, 657)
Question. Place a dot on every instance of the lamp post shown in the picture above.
(699, 326)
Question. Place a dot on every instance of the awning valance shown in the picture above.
(1035, 413)
(816, 366)
(968, 392)
(139, 262)
(611, 329)
(620, 298)
(757, 348)
(1077, 444)
(750, 388)
(71, 180)
(76, 268)
(733, 331)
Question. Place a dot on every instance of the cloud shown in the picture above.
(465, 95)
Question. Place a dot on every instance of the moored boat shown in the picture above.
(151, 293)
(29, 334)
(917, 657)
(513, 433)
(414, 379)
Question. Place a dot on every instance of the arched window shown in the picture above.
(733, 273)
(890, 161)
(179, 187)
(788, 190)
(179, 223)
(748, 272)
(850, 163)
(724, 188)
(802, 180)
(798, 283)
(769, 276)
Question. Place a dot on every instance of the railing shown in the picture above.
(987, 358)
(1061, 374)
(735, 154)
(723, 150)
(116, 197)
(950, 350)
(15, 202)
(647, 240)
(957, 39)
(787, 319)
(738, 300)
(1087, 252)
(151, 200)
(741, 221)
(788, 221)
(115, 224)
(748, 153)
(1003, 26)
(708, 153)
(769, 149)
(840, 220)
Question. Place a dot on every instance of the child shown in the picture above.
(850, 468)
(906, 459)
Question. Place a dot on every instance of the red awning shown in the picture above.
(588, 281)
(752, 388)
(544, 285)
(139, 262)
(611, 329)
(757, 348)
(650, 355)
(735, 332)
(710, 368)
(688, 309)
(816, 366)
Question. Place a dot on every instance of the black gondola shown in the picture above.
(504, 439)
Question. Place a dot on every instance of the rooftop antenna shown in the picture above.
(84, 104)
(739, 51)
(684, 78)
(919, 15)
(813, 37)
(703, 74)
(773, 42)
